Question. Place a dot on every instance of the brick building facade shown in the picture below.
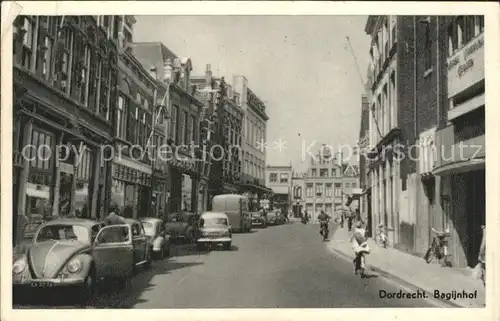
(428, 125)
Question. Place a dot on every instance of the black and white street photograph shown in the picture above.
(246, 161)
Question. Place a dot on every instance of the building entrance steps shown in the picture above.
(413, 271)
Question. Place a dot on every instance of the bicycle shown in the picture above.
(381, 235)
(438, 248)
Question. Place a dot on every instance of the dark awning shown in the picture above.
(460, 167)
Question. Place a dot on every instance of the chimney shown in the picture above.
(168, 70)
(208, 76)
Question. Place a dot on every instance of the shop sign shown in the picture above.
(466, 67)
(184, 163)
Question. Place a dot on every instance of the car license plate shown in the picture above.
(41, 284)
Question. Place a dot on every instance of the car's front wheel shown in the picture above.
(227, 246)
(87, 289)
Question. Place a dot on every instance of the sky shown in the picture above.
(300, 66)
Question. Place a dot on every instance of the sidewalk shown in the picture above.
(413, 271)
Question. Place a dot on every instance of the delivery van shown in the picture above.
(236, 208)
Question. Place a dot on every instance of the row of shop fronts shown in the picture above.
(81, 119)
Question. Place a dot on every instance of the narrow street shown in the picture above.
(286, 266)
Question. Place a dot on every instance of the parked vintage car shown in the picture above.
(259, 219)
(79, 253)
(214, 229)
(158, 238)
(143, 249)
(182, 226)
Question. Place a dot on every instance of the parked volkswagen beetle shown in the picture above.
(75, 253)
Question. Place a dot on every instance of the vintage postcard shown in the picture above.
(249, 160)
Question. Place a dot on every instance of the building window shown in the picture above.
(284, 178)
(120, 118)
(182, 125)
(64, 60)
(104, 91)
(394, 34)
(145, 134)
(329, 190)
(323, 172)
(479, 24)
(452, 38)
(84, 77)
(461, 31)
(173, 128)
(393, 100)
(28, 42)
(309, 190)
(469, 28)
(319, 189)
(313, 172)
(338, 190)
(131, 122)
(45, 44)
(192, 130)
(187, 131)
(298, 192)
(428, 46)
(353, 185)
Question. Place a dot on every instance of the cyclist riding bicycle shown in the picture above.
(323, 219)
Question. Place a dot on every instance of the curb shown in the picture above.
(397, 279)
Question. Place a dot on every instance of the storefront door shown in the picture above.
(476, 212)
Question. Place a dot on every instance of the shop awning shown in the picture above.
(460, 167)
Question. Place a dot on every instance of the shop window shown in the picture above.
(40, 153)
